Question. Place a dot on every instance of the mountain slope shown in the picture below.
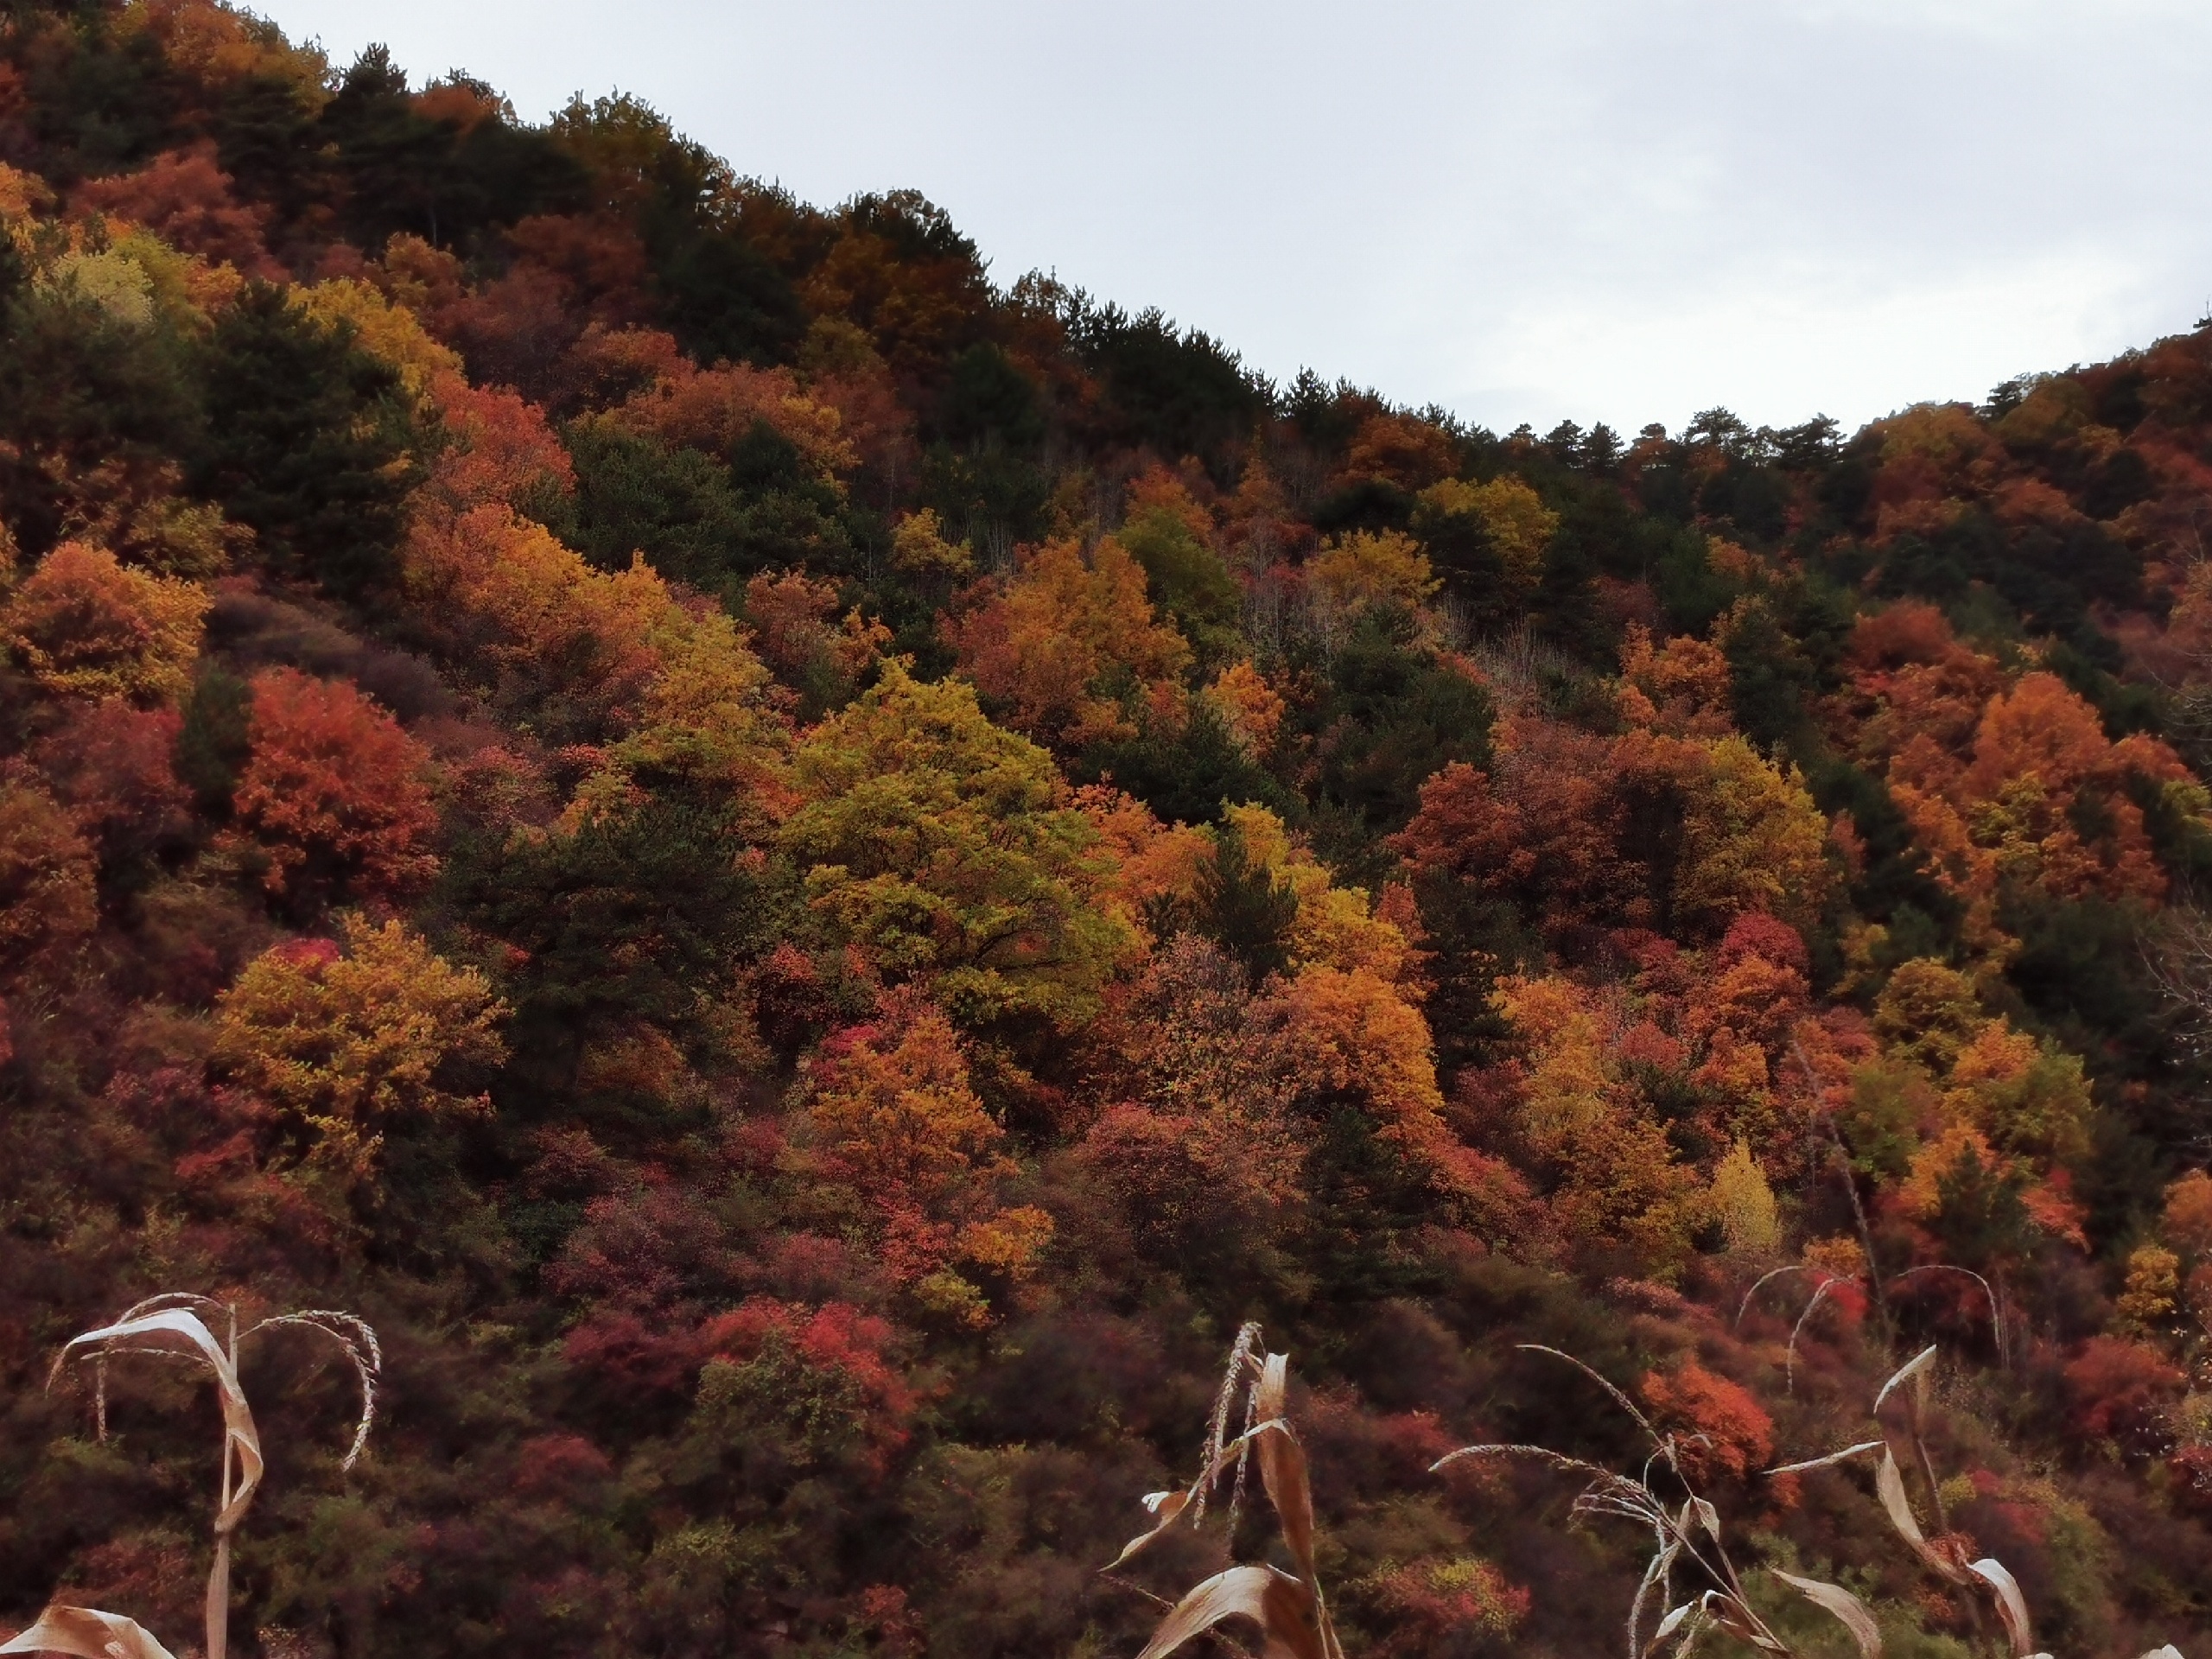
(807, 877)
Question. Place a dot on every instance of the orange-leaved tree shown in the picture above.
(1063, 642)
(112, 766)
(87, 625)
(184, 198)
(894, 1115)
(47, 903)
(335, 798)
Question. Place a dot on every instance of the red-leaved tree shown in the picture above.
(335, 797)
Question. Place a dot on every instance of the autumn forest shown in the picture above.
(714, 900)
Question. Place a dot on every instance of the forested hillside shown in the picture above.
(806, 873)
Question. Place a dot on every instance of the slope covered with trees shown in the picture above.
(807, 875)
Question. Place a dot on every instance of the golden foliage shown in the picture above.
(107, 278)
(1146, 860)
(673, 680)
(2006, 787)
(87, 625)
(48, 902)
(388, 333)
(139, 516)
(1354, 1032)
(23, 196)
(1334, 927)
(1752, 839)
(1252, 709)
(500, 451)
(1368, 568)
(896, 1106)
(895, 1114)
(1402, 449)
(2152, 1292)
(2186, 1222)
(1513, 515)
(2037, 750)
(716, 409)
(1928, 1012)
(222, 45)
(1618, 1188)
(949, 847)
(178, 219)
(1745, 1204)
(346, 1036)
(918, 547)
(1047, 644)
(791, 613)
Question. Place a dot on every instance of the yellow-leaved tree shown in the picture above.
(1368, 568)
(386, 331)
(1751, 837)
(1743, 1202)
(950, 850)
(345, 1036)
(1518, 525)
(1618, 1193)
(618, 660)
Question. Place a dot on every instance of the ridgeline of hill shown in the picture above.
(807, 877)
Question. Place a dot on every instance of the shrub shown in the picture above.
(346, 1042)
(1722, 1429)
(2118, 1389)
(46, 881)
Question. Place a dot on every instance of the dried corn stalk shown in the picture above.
(1946, 1556)
(88, 1634)
(172, 1327)
(1685, 1536)
(1291, 1611)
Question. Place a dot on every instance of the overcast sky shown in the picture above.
(1616, 210)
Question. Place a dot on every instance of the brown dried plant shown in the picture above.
(88, 1635)
(1946, 1554)
(1685, 1540)
(1290, 1610)
(1687, 1537)
(173, 1326)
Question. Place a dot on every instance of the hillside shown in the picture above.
(807, 875)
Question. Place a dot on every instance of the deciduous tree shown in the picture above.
(949, 849)
(47, 899)
(88, 627)
(334, 799)
(1061, 643)
(346, 1037)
